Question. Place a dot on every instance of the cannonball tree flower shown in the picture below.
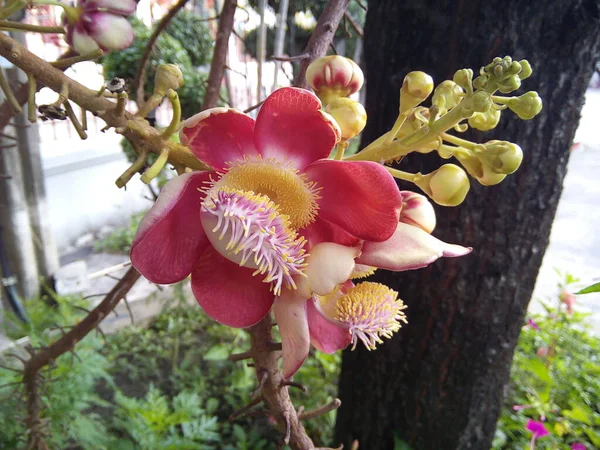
(241, 229)
(344, 313)
(537, 430)
(99, 24)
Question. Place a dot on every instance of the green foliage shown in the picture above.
(193, 32)
(119, 240)
(563, 386)
(590, 289)
(167, 49)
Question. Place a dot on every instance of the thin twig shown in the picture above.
(262, 379)
(300, 386)
(334, 404)
(354, 24)
(253, 107)
(244, 409)
(9, 94)
(74, 120)
(241, 356)
(217, 66)
(290, 58)
(140, 75)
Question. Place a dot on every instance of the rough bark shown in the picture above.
(439, 383)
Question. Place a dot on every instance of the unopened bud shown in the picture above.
(485, 121)
(417, 211)
(168, 76)
(478, 169)
(526, 69)
(334, 76)
(415, 89)
(479, 102)
(502, 156)
(349, 114)
(447, 186)
(509, 84)
(447, 95)
(464, 78)
(542, 352)
(526, 106)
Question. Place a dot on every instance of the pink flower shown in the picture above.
(239, 230)
(568, 299)
(533, 325)
(542, 352)
(99, 24)
(337, 317)
(536, 428)
(578, 446)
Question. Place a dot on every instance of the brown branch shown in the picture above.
(140, 76)
(322, 37)
(290, 58)
(334, 404)
(217, 66)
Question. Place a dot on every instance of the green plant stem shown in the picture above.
(172, 128)
(74, 120)
(66, 62)
(18, 26)
(8, 93)
(31, 106)
(401, 175)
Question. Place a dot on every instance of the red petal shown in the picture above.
(359, 196)
(409, 248)
(325, 335)
(219, 135)
(290, 315)
(170, 237)
(229, 293)
(323, 231)
(291, 126)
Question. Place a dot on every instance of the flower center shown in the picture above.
(371, 311)
(248, 229)
(294, 195)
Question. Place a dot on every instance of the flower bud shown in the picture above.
(479, 102)
(417, 211)
(526, 106)
(485, 121)
(542, 352)
(415, 89)
(447, 186)
(526, 69)
(568, 299)
(502, 157)
(509, 84)
(334, 76)
(168, 76)
(478, 169)
(464, 78)
(447, 95)
(349, 114)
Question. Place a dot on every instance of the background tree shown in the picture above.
(439, 383)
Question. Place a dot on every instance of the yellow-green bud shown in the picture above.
(349, 114)
(334, 76)
(478, 170)
(485, 121)
(464, 78)
(502, 156)
(526, 106)
(526, 69)
(447, 95)
(509, 84)
(489, 177)
(415, 89)
(447, 186)
(479, 102)
(168, 76)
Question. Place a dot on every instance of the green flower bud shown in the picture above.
(464, 78)
(447, 95)
(349, 114)
(168, 76)
(501, 157)
(526, 69)
(480, 102)
(478, 170)
(485, 121)
(415, 89)
(447, 186)
(509, 84)
(526, 106)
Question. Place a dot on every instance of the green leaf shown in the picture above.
(400, 444)
(588, 290)
(539, 369)
(217, 352)
(579, 413)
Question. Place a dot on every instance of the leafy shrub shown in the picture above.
(559, 383)
(119, 240)
(191, 30)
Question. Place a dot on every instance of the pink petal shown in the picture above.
(409, 248)
(537, 428)
(111, 32)
(359, 196)
(290, 315)
(323, 231)
(219, 135)
(325, 335)
(82, 42)
(578, 446)
(124, 7)
(229, 293)
(291, 126)
(170, 237)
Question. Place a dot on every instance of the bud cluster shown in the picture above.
(334, 79)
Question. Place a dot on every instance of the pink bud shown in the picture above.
(568, 299)
(417, 211)
(542, 352)
(334, 76)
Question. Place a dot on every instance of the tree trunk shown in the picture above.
(438, 384)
